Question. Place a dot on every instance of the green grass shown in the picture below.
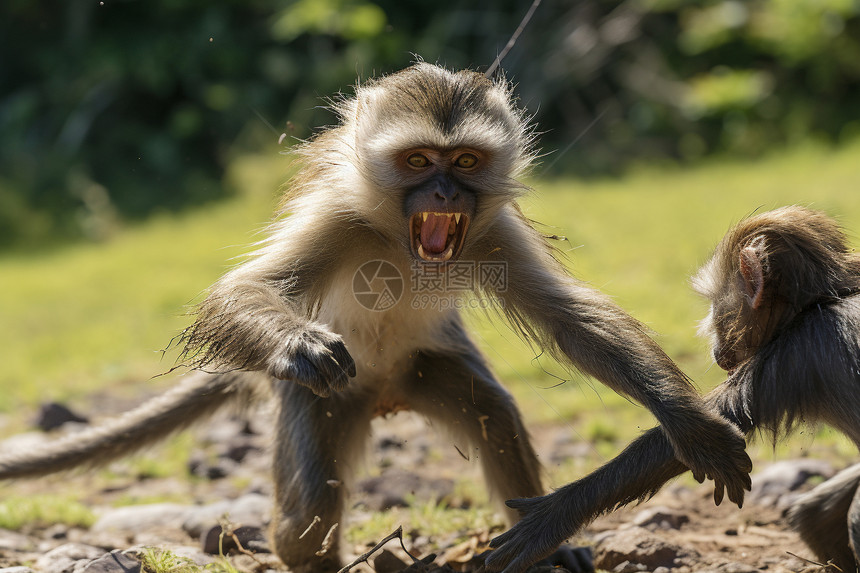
(430, 518)
(96, 315)
(42, 510)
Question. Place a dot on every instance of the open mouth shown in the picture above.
(438, 237)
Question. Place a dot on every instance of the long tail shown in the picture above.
(199, 395)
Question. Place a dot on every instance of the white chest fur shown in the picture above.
(383, 337)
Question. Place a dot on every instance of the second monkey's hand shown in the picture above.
(717, 451)
(545, 523)
(316, 358)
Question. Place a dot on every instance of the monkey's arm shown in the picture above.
(605, 342)
(256, 316)
(636, 474)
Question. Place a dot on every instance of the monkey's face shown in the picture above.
(439, 203)
(740, 320)
(440, 153)
(727, 325)
(730, 338)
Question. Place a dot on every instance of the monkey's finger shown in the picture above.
(719, 491)
(497, 559)
(343, 358)
(500, 540)
(329, 372)
(523, 504)
(520, 564)
(574, 559)
(736, 496)
(297, 368)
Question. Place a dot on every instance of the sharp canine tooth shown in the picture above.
(424, 215)
(457, 217)
(421, 251)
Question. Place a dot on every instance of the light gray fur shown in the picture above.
(289, 309)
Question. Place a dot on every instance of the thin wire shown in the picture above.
(495, 65)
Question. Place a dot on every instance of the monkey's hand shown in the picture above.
(316, 358)
(717, 450)
(545, 523)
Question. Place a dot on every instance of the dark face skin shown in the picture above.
(741, 323)
(439, 203)
(733, 343)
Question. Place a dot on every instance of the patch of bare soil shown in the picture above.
(679, 530)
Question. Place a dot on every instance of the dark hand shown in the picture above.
(315, 358)
(541, 529)
(720, 457)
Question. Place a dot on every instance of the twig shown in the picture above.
(311, 526)
(397, 534)
(327, 541)
(242, 549)
(498, 61)
(817, 563)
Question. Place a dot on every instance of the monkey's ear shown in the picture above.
(751, 270)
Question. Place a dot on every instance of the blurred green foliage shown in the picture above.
(115, 109)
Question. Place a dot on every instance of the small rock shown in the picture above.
(238, 452)
(222, 467)
(628, 567)
(13, 541)
(116, 561)
(783, 477)
(52, 415)
(141, 517)
(392, 488)
(661, 517)
(734, 567)
(638, 546)
(251, 538)
(250, 509)
(388, 562)
(64, 558)
(57, 531)
(24, 442)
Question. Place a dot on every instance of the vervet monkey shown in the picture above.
(784, 288)
(417, 182)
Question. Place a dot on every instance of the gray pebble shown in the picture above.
(784, 477)
(116, 561)
(141, 517)
(64, 558)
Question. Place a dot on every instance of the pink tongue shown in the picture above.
(434, 233)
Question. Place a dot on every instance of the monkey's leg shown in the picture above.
(317, 442)
(459, 391)
(823, 517)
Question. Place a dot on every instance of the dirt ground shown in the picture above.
(678, 530)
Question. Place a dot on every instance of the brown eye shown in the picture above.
(466, 160)
(417, 160)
